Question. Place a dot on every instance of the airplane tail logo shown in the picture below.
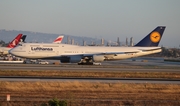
(15, 41)
(58, 39)
(153, 38)
(23, 38)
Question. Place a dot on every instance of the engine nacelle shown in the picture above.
(98, 58)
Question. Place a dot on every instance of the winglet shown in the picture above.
(15, 41)
(58, 39)
(153, 38)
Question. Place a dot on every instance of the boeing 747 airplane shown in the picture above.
(89, 54)
(12, 44)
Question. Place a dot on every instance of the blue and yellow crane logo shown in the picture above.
(155, 37)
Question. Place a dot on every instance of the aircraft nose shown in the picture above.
(11, 51)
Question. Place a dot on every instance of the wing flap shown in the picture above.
(144, 50)
(110, 53)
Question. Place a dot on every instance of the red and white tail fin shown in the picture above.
(15, 41)
(58, 39)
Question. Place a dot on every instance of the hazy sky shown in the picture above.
(106, 19)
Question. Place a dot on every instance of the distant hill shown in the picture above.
(8, 35)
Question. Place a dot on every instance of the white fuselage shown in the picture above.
(48, 50)
(4, 50)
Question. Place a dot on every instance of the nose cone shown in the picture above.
(13, 52)
(10, 51)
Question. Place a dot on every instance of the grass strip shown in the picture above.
(99, 74)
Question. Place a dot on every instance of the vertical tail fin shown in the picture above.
(153, 38)
(58, 39)
(15, 41)
(23, 38)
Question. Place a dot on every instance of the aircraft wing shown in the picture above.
(116, 53)
(150, 49)
(110, 53)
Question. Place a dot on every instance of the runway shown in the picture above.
(72, 67)
(80, 79)
(152, 65)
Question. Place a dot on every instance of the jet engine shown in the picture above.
(98, 58)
